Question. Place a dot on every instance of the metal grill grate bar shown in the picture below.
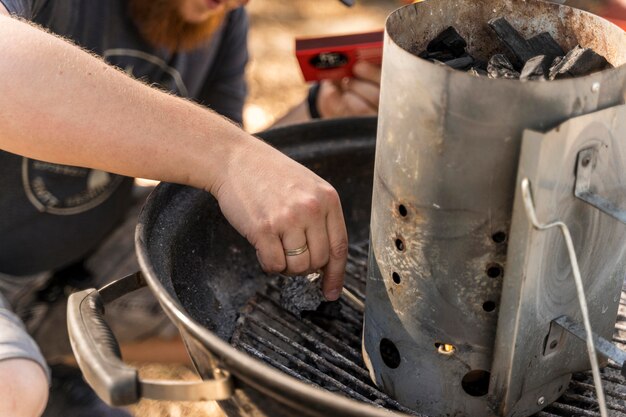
(325, 351)
(314, 342)
(562, 409)
(331, 384)
(339, 374)
(344, 349)
(265, 358)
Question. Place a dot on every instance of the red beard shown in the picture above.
(160, 23)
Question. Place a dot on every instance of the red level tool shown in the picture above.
(333, 57)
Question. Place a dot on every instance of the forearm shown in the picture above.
(60, 104)
(63, 105)
(297, 114)
(349, 97)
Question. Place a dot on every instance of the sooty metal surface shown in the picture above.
(323, 348)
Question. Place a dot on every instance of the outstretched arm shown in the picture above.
(60, 104)
(357, 96)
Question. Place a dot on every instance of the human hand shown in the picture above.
(356, 96)
(279, 205)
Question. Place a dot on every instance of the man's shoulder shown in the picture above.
(27, 9)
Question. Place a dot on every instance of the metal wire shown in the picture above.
(532, 215)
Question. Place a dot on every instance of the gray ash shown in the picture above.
(301, 293)
(537, 58)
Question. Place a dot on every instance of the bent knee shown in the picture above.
(23, 388)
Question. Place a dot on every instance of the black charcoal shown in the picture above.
(536, 68)
(461, 63)
(448, 41)
(544, 44)
(512, 39)
(300, 293)
(437, 55)
(578, 62)
(329, 309)
(537, 58)
(499, 66)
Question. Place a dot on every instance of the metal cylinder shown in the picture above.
(447, 151)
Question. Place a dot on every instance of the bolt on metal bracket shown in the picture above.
(529, 205)
(587, 190)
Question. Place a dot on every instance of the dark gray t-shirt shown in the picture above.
(52, 215)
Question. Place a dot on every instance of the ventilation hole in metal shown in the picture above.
(499, 237)
(396, 277)
(389, 353)
(494, 270)
(400, 245)
(402, 210)
(489, 306)
(476, 383)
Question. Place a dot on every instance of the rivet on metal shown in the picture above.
(595, 87)
(541, 401)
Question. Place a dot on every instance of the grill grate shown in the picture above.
(323, 349)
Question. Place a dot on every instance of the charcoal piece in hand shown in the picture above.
(578, 62)
(500, 67)
(513, 40)
(536, 68)
(301, 293)
(544, 44)
(449, 40)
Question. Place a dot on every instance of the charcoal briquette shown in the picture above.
(460, 63)
(512, 39)
(536, 68)
(300, 293)
(499, 66)
(578, 62)
(437, 55)
(448, 40)
(544, 44)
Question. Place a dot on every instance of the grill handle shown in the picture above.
(99, 358)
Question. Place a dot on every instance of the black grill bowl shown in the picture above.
(203, 272)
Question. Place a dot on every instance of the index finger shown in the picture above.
(338, 254)
(367, 71)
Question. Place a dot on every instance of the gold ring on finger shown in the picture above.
(296, 251)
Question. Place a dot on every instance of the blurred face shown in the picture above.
(180, 25)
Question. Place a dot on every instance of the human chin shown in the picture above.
(198, 11)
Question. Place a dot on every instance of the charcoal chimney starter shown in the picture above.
(461, 289)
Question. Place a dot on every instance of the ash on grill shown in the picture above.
(537, 58)
(322, 347)
(301, 293)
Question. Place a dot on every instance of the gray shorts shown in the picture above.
(35, 328)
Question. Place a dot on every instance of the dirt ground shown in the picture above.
(275, 85)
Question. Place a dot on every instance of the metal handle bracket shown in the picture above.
(586, 190)
(603, 346)
(98, 355)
